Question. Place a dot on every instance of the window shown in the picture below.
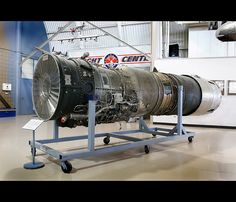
(231, 87)
(27, 69)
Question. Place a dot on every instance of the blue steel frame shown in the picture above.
(166, 134)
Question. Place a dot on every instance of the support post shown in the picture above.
(140, 122)
(156, 47)
(33, 147)
(91, 125)
(180, 110)
(55, 130)
(167, 39)
(18, 69)
(34, 164)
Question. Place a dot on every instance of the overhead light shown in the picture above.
(187, 22)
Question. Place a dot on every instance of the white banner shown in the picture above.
(117, 56)
(112, 60)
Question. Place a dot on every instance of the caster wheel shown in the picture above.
(106, 140)
(154, 135)
(190, 139)
(66, 166)
(146, 149)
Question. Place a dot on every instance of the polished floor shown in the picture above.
(211, 156)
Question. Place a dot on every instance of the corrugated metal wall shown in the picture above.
(133, 32)
(178, 35)
(137, 33)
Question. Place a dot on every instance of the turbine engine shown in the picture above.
(63, 87)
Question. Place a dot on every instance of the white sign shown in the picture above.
(33, 124)
(116, 60)
(6, 86)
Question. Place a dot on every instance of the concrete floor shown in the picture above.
(211, 156)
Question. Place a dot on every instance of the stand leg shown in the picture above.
(33, 148)
(55, 130)
(180, 110)
(34, 164)
(91, 125)
(140, 122)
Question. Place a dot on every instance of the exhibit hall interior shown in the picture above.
(117, 100)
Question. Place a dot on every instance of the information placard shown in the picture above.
(33, 124)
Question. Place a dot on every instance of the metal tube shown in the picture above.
(73, 155)
(156, 47)
(180, 110)
(167, 37)
(55, 130)
(18, 69)
(140, 122)
(83, 116)
(33, 147)
(91, 125)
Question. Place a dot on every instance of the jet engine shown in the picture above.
(227, 32)
(63, 87)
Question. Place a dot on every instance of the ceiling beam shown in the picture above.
(47, 41)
